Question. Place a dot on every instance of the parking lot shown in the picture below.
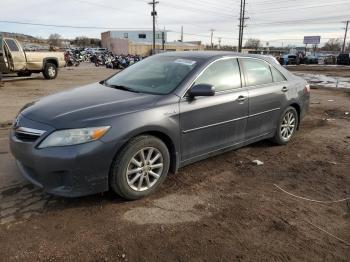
(224, 208)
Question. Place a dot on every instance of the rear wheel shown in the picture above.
(50, 71)
(140, 168)
(287, 126)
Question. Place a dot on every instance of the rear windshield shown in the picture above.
(157, 74)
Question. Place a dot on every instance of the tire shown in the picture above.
(287, 126)
(50, 71)
(129, 160)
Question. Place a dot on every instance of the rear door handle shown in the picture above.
(284, 89)
(241, 98)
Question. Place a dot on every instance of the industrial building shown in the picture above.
(139, 42)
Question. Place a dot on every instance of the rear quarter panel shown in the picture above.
(297, 93)
(35, 60)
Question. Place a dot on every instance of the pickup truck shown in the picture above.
(14, 60)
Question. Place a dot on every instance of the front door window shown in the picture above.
(223, 75)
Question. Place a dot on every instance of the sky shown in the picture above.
(274, 22)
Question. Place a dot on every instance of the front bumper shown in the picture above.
(69, 171)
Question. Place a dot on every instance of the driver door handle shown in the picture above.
(241, 98)
(284, 89)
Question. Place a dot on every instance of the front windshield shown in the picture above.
(154, 75)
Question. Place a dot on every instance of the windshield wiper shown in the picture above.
(121, 87)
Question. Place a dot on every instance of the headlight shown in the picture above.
(74, 136)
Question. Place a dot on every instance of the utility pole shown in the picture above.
(346, 32)
(182, 34)
(242, 19)
(219, 40)
(163, 39)
(154, 14)
(240, 27)
(211, 38)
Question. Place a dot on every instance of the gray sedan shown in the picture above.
(128, 132)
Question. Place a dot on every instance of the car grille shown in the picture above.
(28, 134)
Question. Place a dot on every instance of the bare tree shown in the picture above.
(55, 39)
(333, 44)
(253, 43)
(83, 41)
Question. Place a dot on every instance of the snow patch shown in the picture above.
(319, 80)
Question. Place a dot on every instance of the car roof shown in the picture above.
(208, 55)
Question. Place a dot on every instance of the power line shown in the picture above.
(324, 19)
(121, 28)
(280, 8)
(196, 10)
(216, 5)
(207, 7)
(69, 26)
(199, 35)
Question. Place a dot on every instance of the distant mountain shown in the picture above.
(23, 37)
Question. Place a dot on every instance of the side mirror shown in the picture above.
(201, 90)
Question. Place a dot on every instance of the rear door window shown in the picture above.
(277, 75)
(12, 45)
(257, 72)
(223, 74)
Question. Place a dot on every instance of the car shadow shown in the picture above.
(24, 200)
(261, 144)
(21, 78)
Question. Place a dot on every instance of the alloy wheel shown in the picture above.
(51, 71)
(288, 125)
(144, 169)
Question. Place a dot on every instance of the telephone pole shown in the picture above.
(154, 14)
(242, 19)
(219, 40)
(346, 32)
(211, 38)
(182, 33)
(240, 27)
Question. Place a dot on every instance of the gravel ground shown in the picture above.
(221, 209)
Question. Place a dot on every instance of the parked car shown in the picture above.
(327, 60)
(290, 59)
(167, 111)
(343, 59)
(14, 60)
(311, 59)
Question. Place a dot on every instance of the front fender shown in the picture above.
(160, 121)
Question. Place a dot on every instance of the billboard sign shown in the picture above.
(312, 40)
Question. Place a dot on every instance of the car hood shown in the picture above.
(94, 102)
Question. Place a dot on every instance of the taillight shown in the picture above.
(307, 88)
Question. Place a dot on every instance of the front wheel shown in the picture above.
(286, 127)
(140, 168)
(50, 71)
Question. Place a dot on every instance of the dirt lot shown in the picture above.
(221, 209)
